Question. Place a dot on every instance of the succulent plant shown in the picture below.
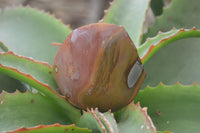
(30, 99)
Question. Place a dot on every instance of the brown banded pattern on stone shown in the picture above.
(98, 66)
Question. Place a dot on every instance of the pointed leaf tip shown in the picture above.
(137, 117)
(98, 122)
(3, 47)
(152, 45)
(56, 44)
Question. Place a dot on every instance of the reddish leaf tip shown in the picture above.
(195, 83)
(144, 111)
(69, 26)
(56, 44)
(112, 2)
(9, 52)
(53, 14)
(148, 39)
(173, 28)
(100, 21)
(161, 83)
(107, 10)
(149, 50)
(26, 58)
(194, 28)
(16, 91)
(29, 77)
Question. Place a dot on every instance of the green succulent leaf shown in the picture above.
(174, 108)
(132, 118)
(152, 45)
(173, 17)
(28, 109)
(175, 62)
(135, 119)
(10, 84)
(21, 72)
(29, 32)
(56, 128)
(38, 70)
(3, 47)
(129, 13)
(98, 122)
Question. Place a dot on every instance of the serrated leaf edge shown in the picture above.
(27, 58)
(158, 17)
(105, 120)
(45, 126)
(44, 88)
(148, 118)
(41, 11)
(5, 92)
(97, 119)
(3, 47)
(152, 49)
(101, 119)
(176, 84)
(28, 75)
(106, 10)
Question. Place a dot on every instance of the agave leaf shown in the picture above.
(30, 32)
(38, 70)
(3, 47)
(175, 62)
(180, 14)
(7, 83)
(98, 122)
(152, 45)
(173, 67)
(135, 119)
(56, 128)
(21, 72)
(175, 108)
(28, 109)
(129, 13)
(132, 118)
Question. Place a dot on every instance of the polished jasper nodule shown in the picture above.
(98, 66)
